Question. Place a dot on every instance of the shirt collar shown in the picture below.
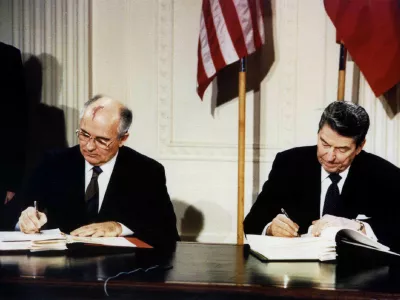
(325, 174)
(107, 167)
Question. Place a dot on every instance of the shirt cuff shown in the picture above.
(125, 230)
(264, 232)
(369, 232)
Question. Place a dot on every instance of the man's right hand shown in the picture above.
(283, 227)
(31, 220)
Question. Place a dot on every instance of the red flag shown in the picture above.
(229, 30)
(370, 30)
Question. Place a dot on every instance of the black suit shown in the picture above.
(372, 188)
(13, 119)
(136, 195)
(13, 127)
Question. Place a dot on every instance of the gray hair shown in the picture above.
(347, 119)
(125, 115)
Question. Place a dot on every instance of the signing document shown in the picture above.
(52, 239)
(307, 247)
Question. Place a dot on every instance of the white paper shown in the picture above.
(304, 248)
(7, 246)
(308, 247)
(14, 236)
(106, 241)
(53, 239)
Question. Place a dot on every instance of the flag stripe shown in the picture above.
(233, 23)
(213, 44)
(260, 23)
(254, 19)
(201, 72)
(229, 30)
(204, 49)
(202, 79)
(224, 39)
(245, 22)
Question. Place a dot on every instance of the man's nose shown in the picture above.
(91, 145)
(331, 154)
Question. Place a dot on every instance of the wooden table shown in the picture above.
(199, 271)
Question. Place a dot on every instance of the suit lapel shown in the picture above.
(310, 187)
(81, 179)
(350, 188)
(76, 176)
(73, 213)
(306, 188)
(79, 174)
(315, 189)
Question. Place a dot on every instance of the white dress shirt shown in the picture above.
(325, 183)
(103, 180)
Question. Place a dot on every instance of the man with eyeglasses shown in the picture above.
(101, 187)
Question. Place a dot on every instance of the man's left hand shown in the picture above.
(9, 196)
(332, 221)
(106, 229)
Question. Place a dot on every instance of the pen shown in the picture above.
(282, 210)
(37, 212)
(287, 216)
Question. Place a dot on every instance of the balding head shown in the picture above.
(106, 121)
(104, 106)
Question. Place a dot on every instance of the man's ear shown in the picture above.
(359, 148)
(123, 139)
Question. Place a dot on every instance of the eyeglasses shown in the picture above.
(100, 142)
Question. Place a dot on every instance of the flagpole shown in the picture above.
(342, 72)
(241, 149)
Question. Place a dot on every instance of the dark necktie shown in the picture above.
(92, 195)
(332, 205)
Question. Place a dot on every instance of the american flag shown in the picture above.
(229, 31)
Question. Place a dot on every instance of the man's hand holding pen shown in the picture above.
(31, 220)
(283, 226)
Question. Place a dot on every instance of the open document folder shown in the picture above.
(307, 247)
(52, 239)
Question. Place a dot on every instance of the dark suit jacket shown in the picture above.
(13, 128)
(136, 195)
(13, 119)
(372, 188)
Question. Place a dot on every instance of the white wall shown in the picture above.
(144, 52)
(55, 33)
(6, 21)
